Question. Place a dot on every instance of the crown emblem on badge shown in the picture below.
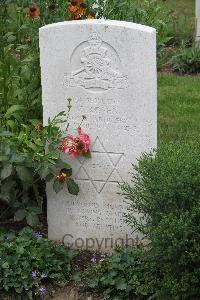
(94, 36)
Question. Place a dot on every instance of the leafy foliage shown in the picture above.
(24, 165)
(29, 261)
(187, 60)
(125, 274)
(19, 53)
(147, 12)
(182, 20)
(166, 193)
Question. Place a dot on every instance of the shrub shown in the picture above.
(19, 52)
(187, 60)
(29, 262)
(146, 12)
(24, 164)
(125, 274)
(165, 190)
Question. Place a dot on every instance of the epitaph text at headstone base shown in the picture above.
(108, 68)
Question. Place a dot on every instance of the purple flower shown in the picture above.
(137, 262)
(37, 234)
(93, 259)
(34, 274)
(42, 289)
(43, 275)
(69, 245)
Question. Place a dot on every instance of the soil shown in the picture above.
(72, 293)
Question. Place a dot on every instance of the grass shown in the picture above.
(178, 107)
(179, 96)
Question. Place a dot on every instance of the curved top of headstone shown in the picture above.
(122, 24)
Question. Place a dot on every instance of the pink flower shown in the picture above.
(69, 145)
(85, 139)
(75, 146)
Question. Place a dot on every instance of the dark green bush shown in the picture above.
(166, 191)
(126, 274)
(187, 60)
(29, 261)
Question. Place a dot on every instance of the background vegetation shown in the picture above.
(167, 185)
(165, 191)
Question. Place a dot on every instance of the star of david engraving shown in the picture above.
(101, 168)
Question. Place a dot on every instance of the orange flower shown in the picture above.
(39, 126)
(61, 177)
(73, 8)
(82, 9)
(93, 13)
(89, 17)
(75, 16)
(33, 12)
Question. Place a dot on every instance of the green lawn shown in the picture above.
(179, 96)
(178, 107)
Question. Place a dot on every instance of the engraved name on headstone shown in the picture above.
(108, 68)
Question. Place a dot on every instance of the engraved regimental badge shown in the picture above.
(95, 65)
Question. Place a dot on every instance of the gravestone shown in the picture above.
(198, 20)
(108, 68)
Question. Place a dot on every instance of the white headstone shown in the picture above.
(198, 20)
(108, 68)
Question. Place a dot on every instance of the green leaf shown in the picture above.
(5, 198)
(87, 154)
(11, 124)
(72, 187)
(3, 158)
(6, 171)
(25, 174)
(20, 215)
(36, 210)
(58, 186)
(13, 109)
(17, 158)
(34, 122)
(8, 34)
(6, 133)
(49, 177)
(121, 285)
(11, 39)
(62, 165)
(5, 265)
(76, 277)
(32, 146)
(32, 219)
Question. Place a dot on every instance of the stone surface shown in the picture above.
(109, 70)
(198, 19)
